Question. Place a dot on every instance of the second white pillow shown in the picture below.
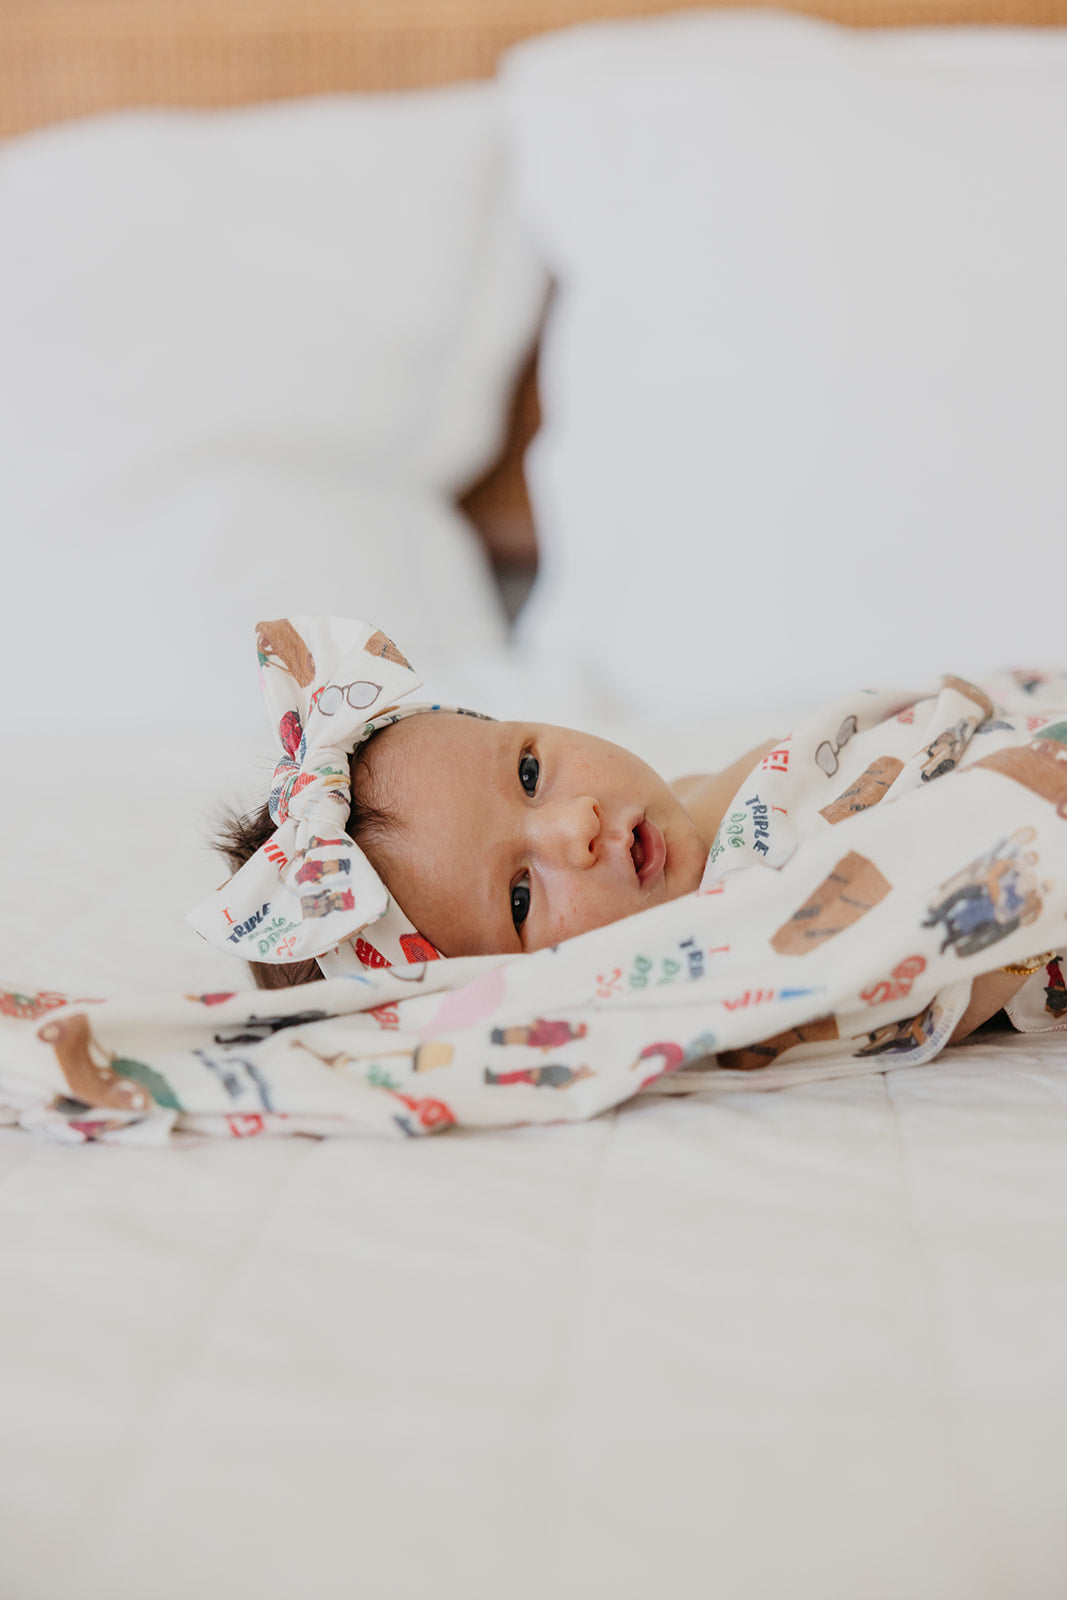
(805, 378)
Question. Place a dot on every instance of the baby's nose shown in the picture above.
(574, 827)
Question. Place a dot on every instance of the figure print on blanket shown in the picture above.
(873, 864)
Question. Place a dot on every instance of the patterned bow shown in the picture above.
(329, 684)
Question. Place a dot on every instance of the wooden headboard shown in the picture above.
(69, 58)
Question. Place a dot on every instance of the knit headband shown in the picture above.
(329, 684)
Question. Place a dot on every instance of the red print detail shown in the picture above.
(385, 1016)
(777, 760)
(290, 733)
(244, 1127)
(898, 984)
(907, 716)
(431, 1113)
(29, 1005)
(215, 999)
(751, 997)
(370, 957)
(608, 983)
(416, 948)
(272, 853)
(1035, 722)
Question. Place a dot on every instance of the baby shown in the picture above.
(474, 836)
(501, 837)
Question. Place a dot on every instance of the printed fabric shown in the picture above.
(892, 849)
(330, 684)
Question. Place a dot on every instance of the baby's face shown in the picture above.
(511, 836)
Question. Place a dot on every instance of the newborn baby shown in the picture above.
(398, 836)
(507, 836)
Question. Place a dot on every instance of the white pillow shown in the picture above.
(249, 358)
(805, 378)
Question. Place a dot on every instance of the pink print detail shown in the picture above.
(473, 1003)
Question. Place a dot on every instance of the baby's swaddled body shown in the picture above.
(505, 838)
(523, 924)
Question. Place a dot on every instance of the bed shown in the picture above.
(785, 1344)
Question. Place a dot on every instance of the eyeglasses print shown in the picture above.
(827, 753)
(358, 695)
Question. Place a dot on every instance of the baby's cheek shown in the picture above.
(577, 909)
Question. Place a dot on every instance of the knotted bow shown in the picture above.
(329, 684)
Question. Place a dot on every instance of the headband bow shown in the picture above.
(329, 684)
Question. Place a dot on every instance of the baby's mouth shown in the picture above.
(648, 851)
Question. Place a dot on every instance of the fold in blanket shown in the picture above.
(889, 851)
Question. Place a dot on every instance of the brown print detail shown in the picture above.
(945, 751)
(1040, 766)
(896, 1038)
(972, 692)
(435, 1053)
(854, 887)
(1055, 990)
(280, 644)
(870, 787)
(87, 1068)
(761, 1055)
(380, 644)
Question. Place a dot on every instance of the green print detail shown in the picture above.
(730, 833)
(269, 936)
(381, 1079)
(641, 974)
(157, 1086)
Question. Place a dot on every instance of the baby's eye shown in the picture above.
(529, 772)
(520, 900)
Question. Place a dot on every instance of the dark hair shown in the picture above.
(239, 835)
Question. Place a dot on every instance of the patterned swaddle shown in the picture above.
(892, 849)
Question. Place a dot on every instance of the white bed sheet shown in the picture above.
(766, 1347)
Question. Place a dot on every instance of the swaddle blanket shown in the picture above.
(895, 847)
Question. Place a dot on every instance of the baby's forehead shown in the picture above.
(442, 728)
(425, 749)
